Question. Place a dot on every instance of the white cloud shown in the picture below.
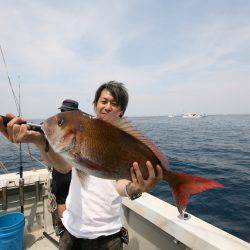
(65, 50)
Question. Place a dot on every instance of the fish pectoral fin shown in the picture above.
(87, 163)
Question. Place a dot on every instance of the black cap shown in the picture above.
(69, 105)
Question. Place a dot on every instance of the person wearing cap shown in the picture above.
(93, 215)
(69, 105)
(61, 182)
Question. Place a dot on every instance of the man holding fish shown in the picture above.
(93, 216)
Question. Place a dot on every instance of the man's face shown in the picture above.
(107, 104)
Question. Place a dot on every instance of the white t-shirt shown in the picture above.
(93, 207)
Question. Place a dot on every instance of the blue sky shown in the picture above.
(174, 56)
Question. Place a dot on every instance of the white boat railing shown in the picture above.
(172, 231)
(151, 222)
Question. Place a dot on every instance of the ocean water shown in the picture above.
(216, 147)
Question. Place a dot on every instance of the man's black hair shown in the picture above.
(117, 90)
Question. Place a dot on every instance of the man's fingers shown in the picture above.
(10, 128)
(18, 131)
(3, 129)
(13, 127)
(9, 115)
(16, 120)
(133, 177)
(15, 133)
(151, 171)
(22, 133)
(159, 175)
(138, 173)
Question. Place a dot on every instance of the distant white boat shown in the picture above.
(193, 115)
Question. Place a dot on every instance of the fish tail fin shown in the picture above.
(183, 185)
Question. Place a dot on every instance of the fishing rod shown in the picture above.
(33, 126)
(21, 180)
(17, 102)
(6, 121)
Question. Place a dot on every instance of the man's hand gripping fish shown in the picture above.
(107, 149)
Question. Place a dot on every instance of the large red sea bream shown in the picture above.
(107, 149)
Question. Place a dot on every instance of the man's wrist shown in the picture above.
(126, 190)
(132, 195)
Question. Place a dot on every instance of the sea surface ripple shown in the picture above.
(216, 147)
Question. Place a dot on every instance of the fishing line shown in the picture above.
(20, 144)
(7, 73)
(17, 102)
(33, 157)
(19, 97)
(4, 169)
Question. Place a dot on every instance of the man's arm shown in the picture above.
(17, 133)
(138, 184)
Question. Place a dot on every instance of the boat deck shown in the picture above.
(152, 223)
(37, 240)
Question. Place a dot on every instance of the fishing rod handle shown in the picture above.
(34, 127)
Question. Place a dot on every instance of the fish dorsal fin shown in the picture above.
(125, 125)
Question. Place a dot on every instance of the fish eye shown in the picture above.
(60, 122)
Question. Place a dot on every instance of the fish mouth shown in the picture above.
(47, 132)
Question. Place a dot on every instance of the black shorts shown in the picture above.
(60, 185)
(110, 242)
